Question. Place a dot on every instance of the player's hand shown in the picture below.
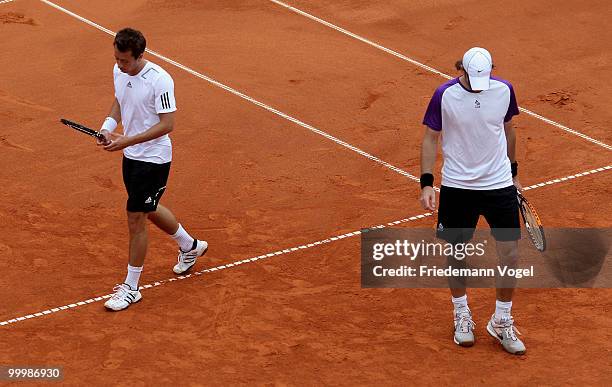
(428, 198)
(117, 142)
(106, 140)
(517, 183)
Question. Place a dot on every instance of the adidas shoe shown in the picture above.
(187, 259)
(124, 296)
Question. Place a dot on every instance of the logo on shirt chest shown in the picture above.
(476, 104)
(129, 84)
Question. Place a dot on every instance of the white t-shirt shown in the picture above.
(473, 137)
(141, 98)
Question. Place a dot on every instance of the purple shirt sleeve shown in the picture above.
(433, 115)
(513, 106)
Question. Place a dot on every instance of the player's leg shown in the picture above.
(137, 178)
(128, 293)
(507, 253)
(137, 227)
(165, 220)
(190, 248)
(500, 208)
(162, 217)
(457, 218)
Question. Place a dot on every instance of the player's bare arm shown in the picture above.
(429, 149)
(164, 126)
(511, 145)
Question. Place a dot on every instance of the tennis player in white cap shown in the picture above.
(479, 177)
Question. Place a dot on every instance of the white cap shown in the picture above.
(477, 63)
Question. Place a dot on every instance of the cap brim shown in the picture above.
(478, 83)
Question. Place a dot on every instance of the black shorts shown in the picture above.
(460, 210)
(145, 184)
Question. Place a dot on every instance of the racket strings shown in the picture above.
(533, 225)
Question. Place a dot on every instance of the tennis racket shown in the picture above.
(83, 129)
(532, 223)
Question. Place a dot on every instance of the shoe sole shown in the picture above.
(494, 335)
(128, 305)
(465, 344)
(189, 268)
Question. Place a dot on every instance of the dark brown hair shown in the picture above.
(129, 39)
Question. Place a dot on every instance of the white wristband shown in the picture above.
(109, 124)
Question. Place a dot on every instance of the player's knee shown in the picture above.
(151, 215)
(508, 252)
(136, 221)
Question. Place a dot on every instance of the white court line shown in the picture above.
(6, 1)
(217, 268)
(562, 179)
(246, 97)
(430, 69)
(279, 252)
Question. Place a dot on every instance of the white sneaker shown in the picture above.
(505, 332)
(124, 296)
(187, 259)
(464, 329)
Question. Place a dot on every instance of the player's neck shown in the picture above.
(141, 64)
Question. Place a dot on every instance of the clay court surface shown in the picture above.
(252, 183)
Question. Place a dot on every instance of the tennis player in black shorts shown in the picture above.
(473, 115)
(145, 105)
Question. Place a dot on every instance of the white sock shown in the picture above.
(460, 303)
(184, 240)
(502, 310)
(133, 275)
